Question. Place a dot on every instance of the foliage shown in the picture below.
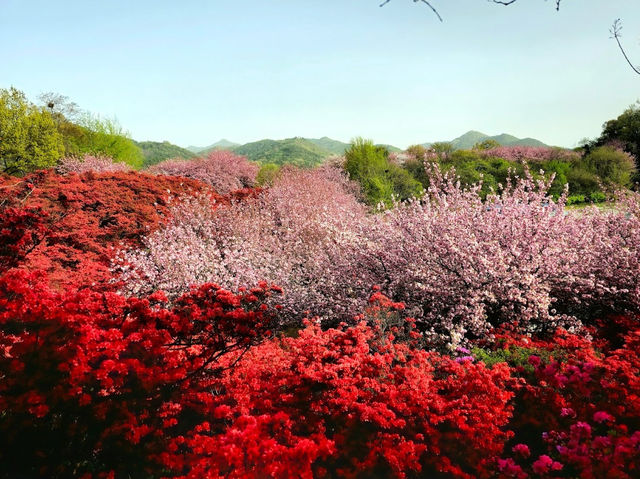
(223, 170)
(624, 129)
(494, 165)
(154, 152)
(68, 225)
(267, 174)
(382, 181)
(443, 149)
(613, 167)
(486, 144)
(295, 151)
(105, 137)
(29, 139)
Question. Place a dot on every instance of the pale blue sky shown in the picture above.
(193, 72)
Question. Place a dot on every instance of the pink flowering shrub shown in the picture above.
(96, 164)
(462, 265)
(223, 170)
(530, 153)
(302, 233)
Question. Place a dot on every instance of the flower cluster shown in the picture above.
(461, 263)
(223, 170)
(71, 226)
(301, 234)
(206, 380)
(96, 164)
(531, 154)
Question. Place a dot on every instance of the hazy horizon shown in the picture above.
(193, 73)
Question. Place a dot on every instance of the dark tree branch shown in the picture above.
(500, 2)
(616, 32)
(416, 1)
(509, 2)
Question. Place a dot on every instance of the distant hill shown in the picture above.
(470, 138)
(156, 151)
(219, 145)
(391, 148)
(334, 147)
(297, 151)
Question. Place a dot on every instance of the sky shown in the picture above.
(193, 72)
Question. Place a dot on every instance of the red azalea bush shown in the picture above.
(71, 226)
(223, 170)
(577, 409)
(96, 164)
(93, 383)
(96, 384)
(348, 403)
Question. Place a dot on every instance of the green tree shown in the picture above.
(626, 130)
(487, 144)
(267, 174)
(29, 138)
(103, 136)
(443, 149)
(612, 166)
(381, 180)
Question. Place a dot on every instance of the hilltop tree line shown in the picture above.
(38, 137)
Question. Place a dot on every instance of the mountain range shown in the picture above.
(470, 138)
(303, 151)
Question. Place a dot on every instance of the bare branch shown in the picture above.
(433, 9)
(416, 1)
(509, 2)
(616, 33)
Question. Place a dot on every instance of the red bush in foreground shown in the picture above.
(578, 410)
(96, 383)
(349, 403)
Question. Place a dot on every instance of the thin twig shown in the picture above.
(416, 1)
(616, 30)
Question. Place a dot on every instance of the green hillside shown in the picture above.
(333, 146)
(297, 151)
(156, 151)
(470, 138)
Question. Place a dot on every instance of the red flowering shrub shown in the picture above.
(95, 383)
(21, 230)
(345, 403)
(577, 412)
(71, 225)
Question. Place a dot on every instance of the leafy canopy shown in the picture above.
(29, 139)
